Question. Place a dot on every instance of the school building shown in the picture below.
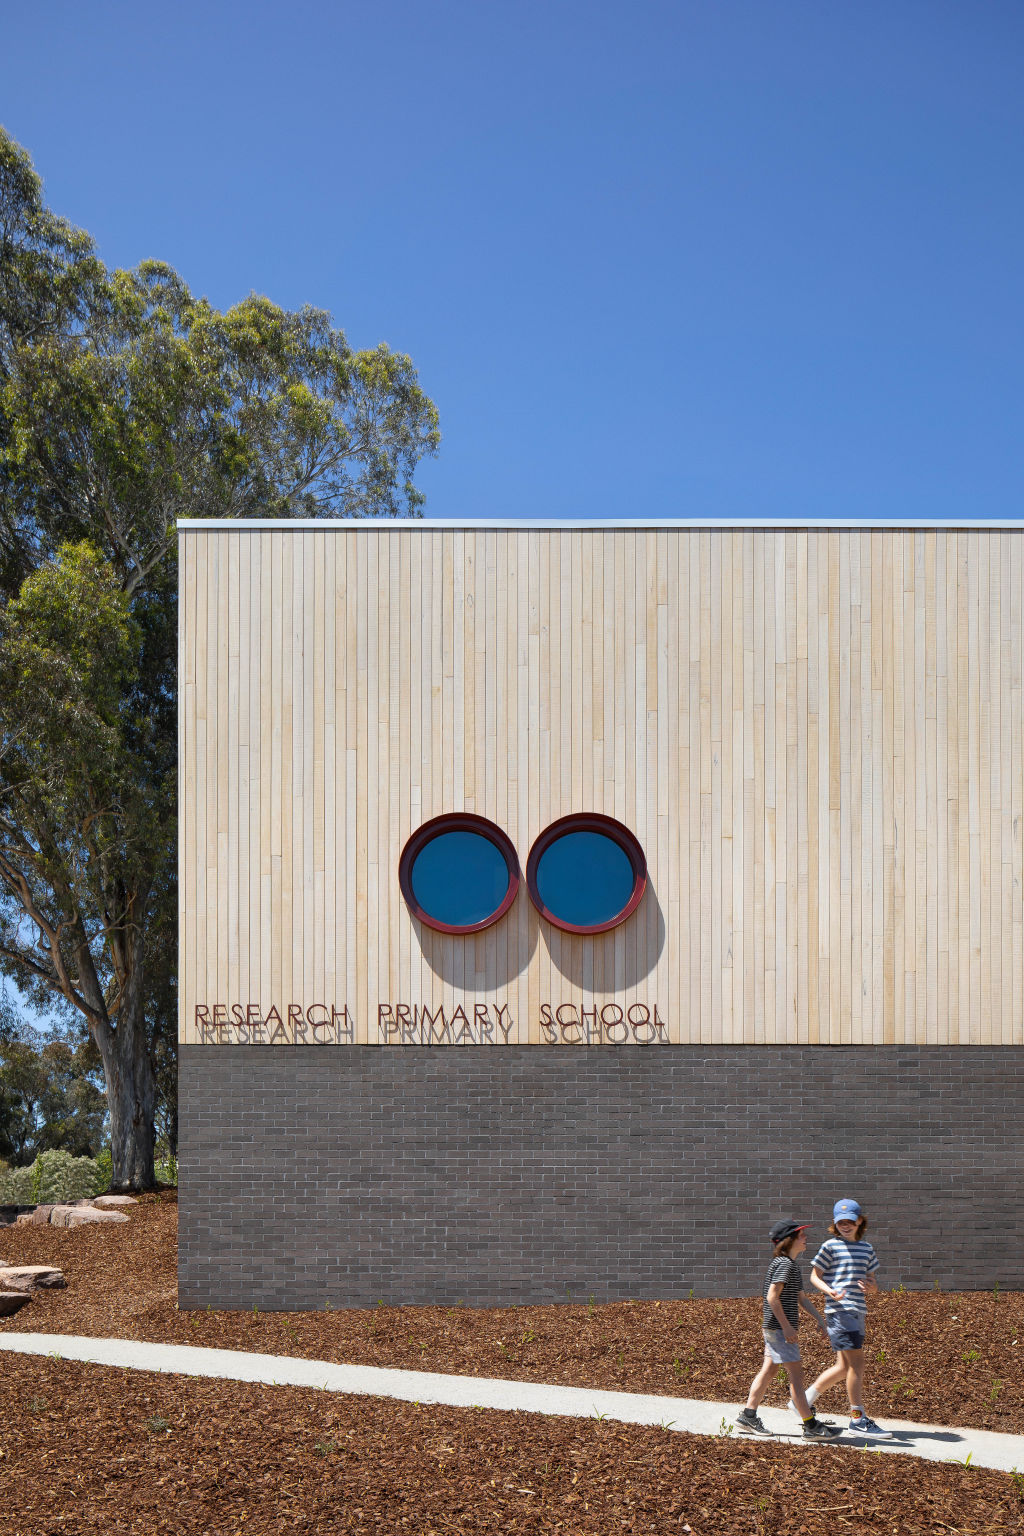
(562, 904)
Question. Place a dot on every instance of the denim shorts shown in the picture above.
(778, 1349)
(845, 1330)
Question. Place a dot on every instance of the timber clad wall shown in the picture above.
(321, 1175)
(816, 736)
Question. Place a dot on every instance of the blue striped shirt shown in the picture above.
(841, 1264)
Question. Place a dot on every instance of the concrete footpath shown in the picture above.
(976, 1447)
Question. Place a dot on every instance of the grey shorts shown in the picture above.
(777, 1349)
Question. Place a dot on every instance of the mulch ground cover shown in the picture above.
(942, 1358)
(89, 1451)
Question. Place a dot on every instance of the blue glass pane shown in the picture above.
(584, 878)
(459, 878)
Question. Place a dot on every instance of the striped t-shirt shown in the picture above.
(785, 1272)
(841, 1264)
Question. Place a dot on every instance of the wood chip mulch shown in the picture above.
(97, 1452)
(86, 1449)
(941, 1358)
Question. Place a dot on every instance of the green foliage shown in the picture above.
(54, 1177)
(49, 1097)
(105, 1164)
(166, 1167)
(127, 403)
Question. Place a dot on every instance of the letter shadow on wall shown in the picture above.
(613, 961)
(491, 958)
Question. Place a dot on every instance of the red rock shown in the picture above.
(32, 1277)
(105, 1201)
(13, 1301)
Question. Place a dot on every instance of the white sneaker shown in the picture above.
(868, 1427)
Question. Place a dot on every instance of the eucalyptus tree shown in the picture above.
(126, 403)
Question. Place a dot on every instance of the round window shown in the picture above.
(459, 873)
(586, 873)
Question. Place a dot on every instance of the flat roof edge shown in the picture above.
(496, 525)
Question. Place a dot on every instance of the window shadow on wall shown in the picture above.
(492, 958)
(614, 961)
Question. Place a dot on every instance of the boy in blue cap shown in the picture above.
(783, 1296)
(844, 1268)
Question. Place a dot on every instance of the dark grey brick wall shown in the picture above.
(314, 1175)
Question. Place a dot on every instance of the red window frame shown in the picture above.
(458, 821)
(588, 821)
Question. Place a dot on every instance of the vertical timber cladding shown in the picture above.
(815, 734)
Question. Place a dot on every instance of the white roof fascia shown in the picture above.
(432, 525)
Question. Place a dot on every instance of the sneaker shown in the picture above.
(817, 1429)
(748, 1419)
(868, 1427)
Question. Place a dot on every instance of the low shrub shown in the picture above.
(52, 1179)
(105, 1164)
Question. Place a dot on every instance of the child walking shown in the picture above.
(844, 1268)
(783, 1293)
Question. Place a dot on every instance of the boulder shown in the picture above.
(31, 1277)
(10, 1214)
(81, 1215)
(13, 1301)
(105, 1202)
(39, 1217)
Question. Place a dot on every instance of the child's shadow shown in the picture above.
(911, 1436)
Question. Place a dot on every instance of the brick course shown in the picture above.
(494, 1176)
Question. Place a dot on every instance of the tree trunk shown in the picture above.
(131, 1096)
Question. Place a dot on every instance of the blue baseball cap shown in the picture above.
(846, 1210)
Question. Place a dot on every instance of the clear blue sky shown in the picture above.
(736, 258)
